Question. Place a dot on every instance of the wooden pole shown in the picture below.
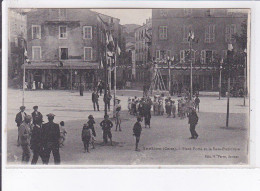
(245, 91)
(220, 83)
(190, 70)
(227, 119)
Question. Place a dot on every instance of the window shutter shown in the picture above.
(213, 33)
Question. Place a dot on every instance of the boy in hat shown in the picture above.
(106, 125)
(51, 137)
(137, 132)
(19, 119)
(91, 123)
(36, 116)
(24, 138)
(86, 137)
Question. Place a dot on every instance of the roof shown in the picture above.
(66, 65)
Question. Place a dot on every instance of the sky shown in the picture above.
(128, 16)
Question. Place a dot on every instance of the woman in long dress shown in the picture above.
(33, 86)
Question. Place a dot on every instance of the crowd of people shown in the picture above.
(44, 138)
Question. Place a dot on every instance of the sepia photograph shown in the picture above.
(133, 87)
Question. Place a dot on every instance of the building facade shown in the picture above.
(17, 39)
(143, 39)
(213, 30)
(66, 46)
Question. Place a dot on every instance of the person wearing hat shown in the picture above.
(86, 137)
(117, 114)
(51, 137)
(106, 125)
(36, 116)
(19, 119)
(137, 132)
(193, 120)
(24, 138)
(95, 97)
(107, 98)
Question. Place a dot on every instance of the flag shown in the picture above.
(101, 66)
(118, 50)
(25, 53)
(110, 43)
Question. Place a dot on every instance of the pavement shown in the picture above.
(166, 143)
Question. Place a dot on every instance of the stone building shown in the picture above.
(143, 36)
(16, 37)
(213, 31)
(66, 46)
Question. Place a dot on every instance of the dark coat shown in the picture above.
(18, 118)
(36, 138)
(51, 133)
(193, 118)
(137, 129)
(106, 125)
(37, 118)
(95, 97)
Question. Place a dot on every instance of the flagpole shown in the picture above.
(190, 71)
(23, 75)
(115, 80)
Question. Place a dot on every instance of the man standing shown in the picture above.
(36, 116)
(37, 143)
(19, 119)
(107, 98)
(24, 138)
(51, 136)
(137, 132)
(117, 114)
(106, 125)
(95, 97)
(193, 120)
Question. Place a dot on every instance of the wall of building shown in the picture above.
(175, 20)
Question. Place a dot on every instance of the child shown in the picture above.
(168, 107)
(106, 125)
(91, 123)
(63, 133)
(86, 137)
(173, 109)
(137, 132)
(129, 105)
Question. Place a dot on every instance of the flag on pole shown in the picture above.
(118, 50)
(101, 66)
(110, 42)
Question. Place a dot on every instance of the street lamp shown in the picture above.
(229, 62)
(245, 80)
(220, 71)
(169, 72)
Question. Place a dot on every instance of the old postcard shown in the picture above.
(135, 87)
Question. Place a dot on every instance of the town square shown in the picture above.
(87, 87)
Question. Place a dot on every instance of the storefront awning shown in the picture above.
(66, 65)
